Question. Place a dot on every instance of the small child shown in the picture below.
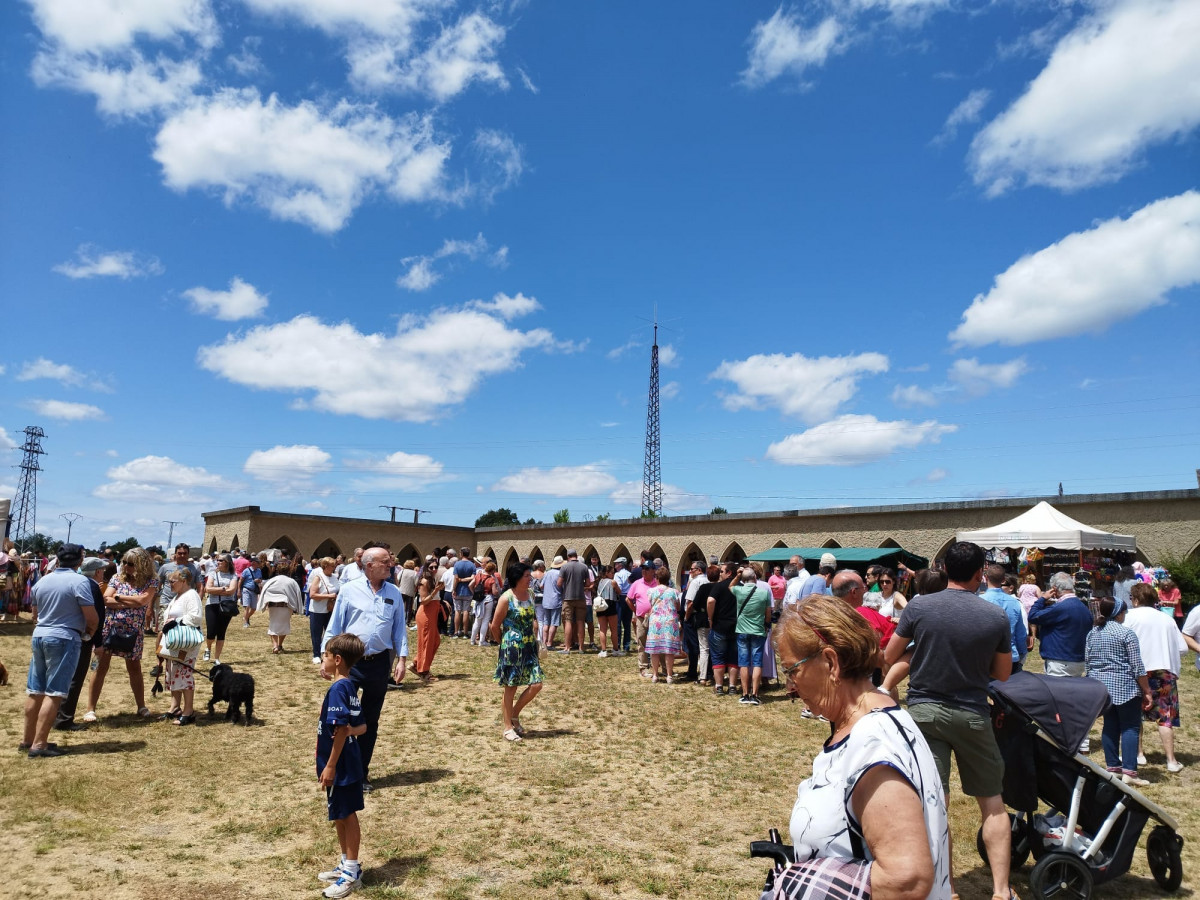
(339, 762)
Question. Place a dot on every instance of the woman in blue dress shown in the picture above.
(514, 629)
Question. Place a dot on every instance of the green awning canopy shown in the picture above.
(848, 557)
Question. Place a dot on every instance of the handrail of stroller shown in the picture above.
(1149, 805)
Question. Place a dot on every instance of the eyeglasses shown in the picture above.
(787, 672)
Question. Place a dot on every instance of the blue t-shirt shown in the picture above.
(551, 590)
(1016, 621)
(340, 707)
(60, 598)
(464, 568)
(815, 584)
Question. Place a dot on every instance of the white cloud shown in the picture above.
(560, 481)
(100, 25)
(783, 46)
(965, 113)
(936, 475)
(670, 390)
(287, 463)
(111, 453)
(462, 53)
(618, 352)
(508, 308)
(44, 368)
(503, 159)
(978, 378)
(399, 471)
(8, 490)
(912, 395)
(132, 86)
(65, 410)
(1125, 78)
(247, 62)
(422, 274)
(161, 480)
(6, 442)
(406, 376)
(395, 18)
(527, 81)
(854, 440)
(92, 262)
(675, 498)
(241, 301)
(668, 355)
(811, 389)
(300, 163)
(1091, 279)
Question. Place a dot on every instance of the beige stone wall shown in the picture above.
(253, 529)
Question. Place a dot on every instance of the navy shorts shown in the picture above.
(344, 800)
(722, 649)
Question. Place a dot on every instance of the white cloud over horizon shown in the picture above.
(65, 410)
(1091, 279)
(397, 471)
(782, 45)
(913, 395)
(162, 480)
(241, 301)
(807, 388)
(41, 367)
(854, 440)
(674, 497)
(967, 112)
(585, 480)
(1125, 78)
(286, 463)
(422, 274)
(978, 378)
(92, 262)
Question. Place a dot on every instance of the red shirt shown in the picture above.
(882, 624)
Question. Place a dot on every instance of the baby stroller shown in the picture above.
(1091, 830)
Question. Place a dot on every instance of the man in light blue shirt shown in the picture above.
(1012, 609)
(819, 583)
(552, 602)
(372, 609)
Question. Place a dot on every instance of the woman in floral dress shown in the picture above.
(125, 602)
(663, 636)
(513, 627)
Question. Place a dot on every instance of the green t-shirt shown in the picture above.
(752, 603)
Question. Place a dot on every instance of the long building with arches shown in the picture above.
(1165, 523)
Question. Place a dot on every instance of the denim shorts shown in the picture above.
(552, 616)
(722, 649)
(750, 650)
(51, 666)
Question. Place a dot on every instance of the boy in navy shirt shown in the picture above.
(339, 763)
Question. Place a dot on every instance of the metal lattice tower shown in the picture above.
(25, 517)
(652, 492)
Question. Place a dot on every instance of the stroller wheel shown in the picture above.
(1020, 842)
(1163, 854)
(1061, 876)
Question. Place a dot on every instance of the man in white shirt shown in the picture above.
(1161, 645)
(352, 570)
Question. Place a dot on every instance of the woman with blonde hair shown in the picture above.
(872, 817)
(322, 592)
(126, 598)
(220, 605)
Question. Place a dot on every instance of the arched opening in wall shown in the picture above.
(690, 555)
(779, 545)
(489, 553)
(831, 544)
(734, 553)
(407, 552)
(560, 552)
(657, 552)
(535, 553)
(1193, 555)
(509, 558)
(1142, 557)
(212, 546)
(623, 551)
(286, 544)
(942, 550)
(588, 552)
(234, 545)
(327, 547)
(888, 542)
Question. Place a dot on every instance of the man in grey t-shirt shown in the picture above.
(180, 560)
(574, 603)
(961, 644)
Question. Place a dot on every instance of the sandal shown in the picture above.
(171, 714)
(511, 735)
(143, 711)
(90, 716)
(517, 727)
(186, 720)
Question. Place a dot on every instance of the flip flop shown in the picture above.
(511, 735)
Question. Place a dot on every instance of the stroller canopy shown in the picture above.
(1064, 708)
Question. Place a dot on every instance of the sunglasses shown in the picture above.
(886, 581)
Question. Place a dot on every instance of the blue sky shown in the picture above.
(329, 254)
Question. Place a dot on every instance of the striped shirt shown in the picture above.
(1114, 657)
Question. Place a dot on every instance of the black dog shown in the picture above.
(234, 688)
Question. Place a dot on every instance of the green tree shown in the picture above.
(562, 517)
(1186, 575)
(41, 544)
(497, 518)
(120, 548)
(603, 517)
(649, 514)
(531, 521)
(718, 511)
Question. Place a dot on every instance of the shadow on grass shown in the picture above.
(395, 869)
(106, 747)
(408, 779)
(549, 732)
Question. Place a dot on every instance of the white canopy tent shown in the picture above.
(1044, 526)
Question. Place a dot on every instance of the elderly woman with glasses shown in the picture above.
(872, 818)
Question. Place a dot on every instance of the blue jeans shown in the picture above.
(750, 650)
(1119, 736)
(624, 624)
(51, 666)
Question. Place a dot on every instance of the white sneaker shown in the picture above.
(1134, 781)
(206, 656)
(316, 660)
(603, 654)
(1176, 766)
(1141, 759)
(344, 886)
(332, 875)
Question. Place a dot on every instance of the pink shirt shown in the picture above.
(778, 586)
(240, 565)
(639, 592)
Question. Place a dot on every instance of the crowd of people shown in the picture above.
(841, 641)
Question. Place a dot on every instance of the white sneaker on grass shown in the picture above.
(1141, 759)
(346, 884)
(332, 875)
(316, 660)
(1176, 766)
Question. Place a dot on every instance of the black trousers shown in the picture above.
(66, 711)
(691, 646)
(371, 677)
(317, 623)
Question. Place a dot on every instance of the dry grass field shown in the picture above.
(622, 789)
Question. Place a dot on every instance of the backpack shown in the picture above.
(479, 591)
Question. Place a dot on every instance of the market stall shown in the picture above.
(1044, 540)
(857, 558)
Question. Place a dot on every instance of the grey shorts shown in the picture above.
(969, 735)
(462, 604)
